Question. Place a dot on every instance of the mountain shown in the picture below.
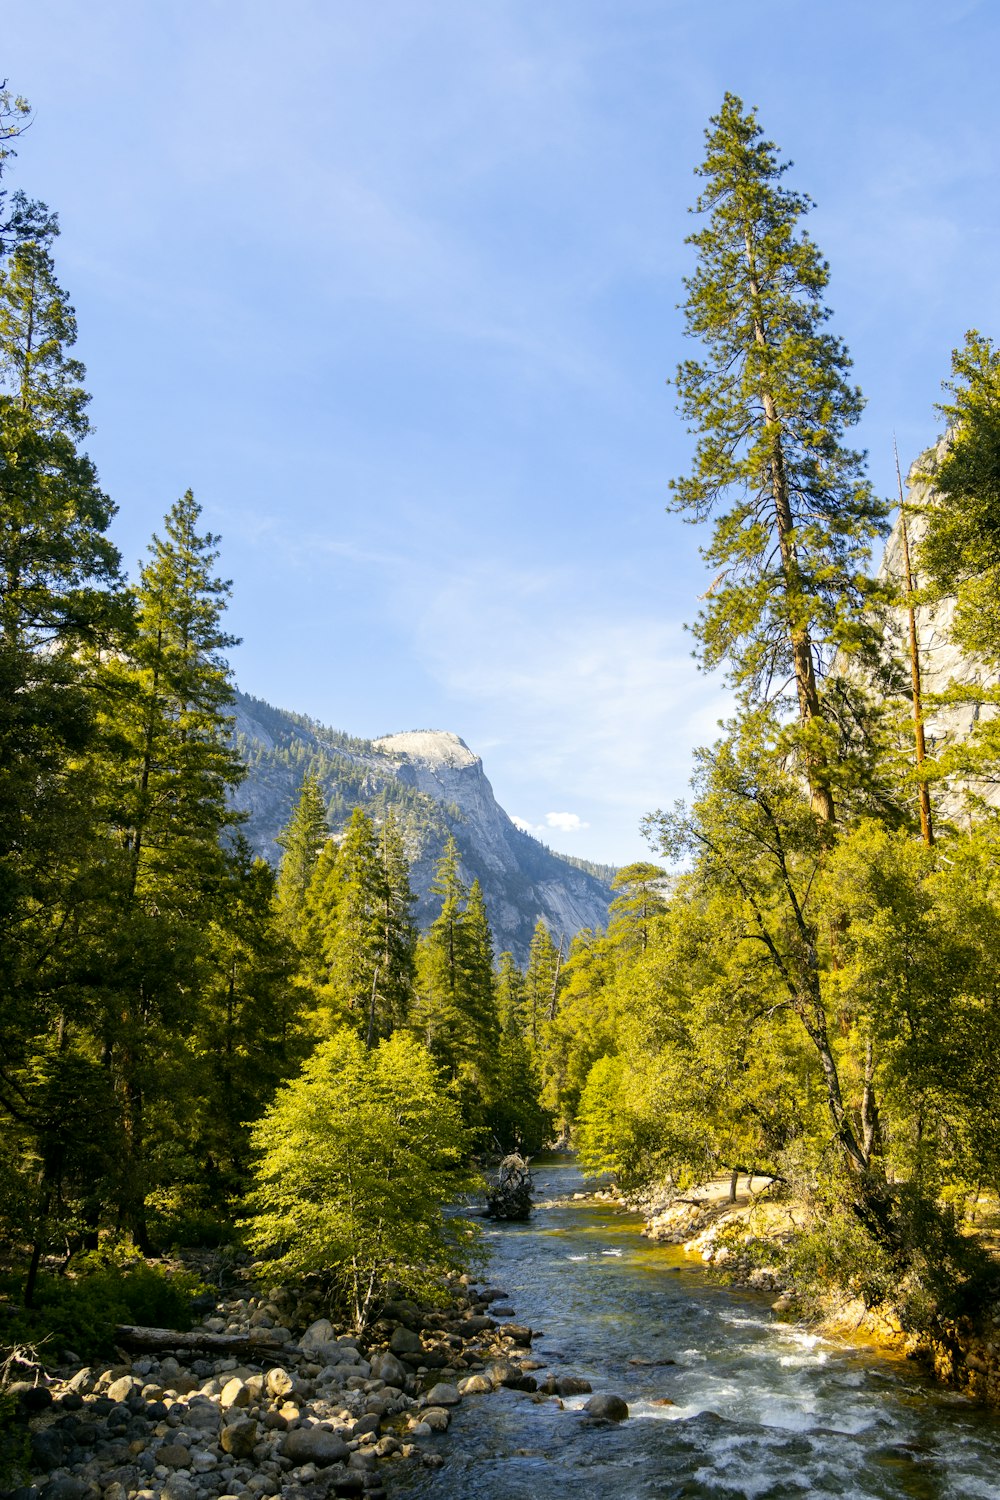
(435, 785)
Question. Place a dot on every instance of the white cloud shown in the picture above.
(566, 822)
(581, 694)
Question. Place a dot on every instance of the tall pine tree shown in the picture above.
(771, 402)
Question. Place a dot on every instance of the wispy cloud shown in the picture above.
(599, 703)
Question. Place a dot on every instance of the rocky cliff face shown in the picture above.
(941, 661)
(435, 785)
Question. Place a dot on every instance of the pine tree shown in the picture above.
(771, 402)
(358, 938)
(60, 595)
(631, 913)
(541, 980)
(398, 933)
(510, 994)
(301, 839)
(960, 550)
(167, 693)
(455, 1013)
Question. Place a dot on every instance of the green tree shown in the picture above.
(455, 1011)
(641, 899)
(359, 935)
(960, 551)
(301, 839)
(60, 597)
(771, 402)
(358, 1158)
(167, 694)
(541, 981)
(510, 994)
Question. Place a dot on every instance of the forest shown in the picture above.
(198, 1049)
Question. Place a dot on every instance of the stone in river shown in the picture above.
(612, 1408)
(443, 1395)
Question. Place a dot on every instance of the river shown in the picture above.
(761, 1409)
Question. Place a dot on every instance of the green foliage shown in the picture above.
(455, 1012)
(960, 551)
(80, 1311)
(301, 840)
(358, 1158)
(771, 402)
(918, 1262)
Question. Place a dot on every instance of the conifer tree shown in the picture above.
(541, 979)
(398, 933)
(771, 402)
(167, 693)
(455, 1013)
(60, 593)
(301, 839)
(510, 994)
(640, 899)
(961, 546)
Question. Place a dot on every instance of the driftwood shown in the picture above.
(131, 1337)
(509, 1195)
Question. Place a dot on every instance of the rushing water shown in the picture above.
(760, 1409)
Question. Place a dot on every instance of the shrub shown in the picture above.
(80, 1312)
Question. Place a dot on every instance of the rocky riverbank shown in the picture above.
(733, 1233)
(306, 1415)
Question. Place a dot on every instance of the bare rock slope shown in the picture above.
(435, 785)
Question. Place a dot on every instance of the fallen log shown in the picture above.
(256, 1342)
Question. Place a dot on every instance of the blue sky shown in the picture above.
(393, 288)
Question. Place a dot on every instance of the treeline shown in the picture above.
(160, 987)
(816, 996)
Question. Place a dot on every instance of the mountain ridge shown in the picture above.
(436, 786)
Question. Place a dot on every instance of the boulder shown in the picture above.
(313, 1445)
(436, 1418)
(517, 1333)
(174, 1456)
(405, 1342)
(474, 1385)
(234, 1393)
(388, 1368)
(608, 1406)
(239, 1438)
(278, 1382)
(443, 1395)
(568, 1385)
(121, 1390)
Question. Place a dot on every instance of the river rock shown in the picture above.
(474, 1385)
(239, 1438)
(517, 1333)
(313, 1445)
(234, 1393)
(443, 1395)
(405, 1342)
(278, 1382)
(567, 1385)
(388, 1368)
(203, 1415)
(174, 1455)
(121, 1390)
(30, 1398)
(66, 1487)
(612, 1408)
(436, 1418)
